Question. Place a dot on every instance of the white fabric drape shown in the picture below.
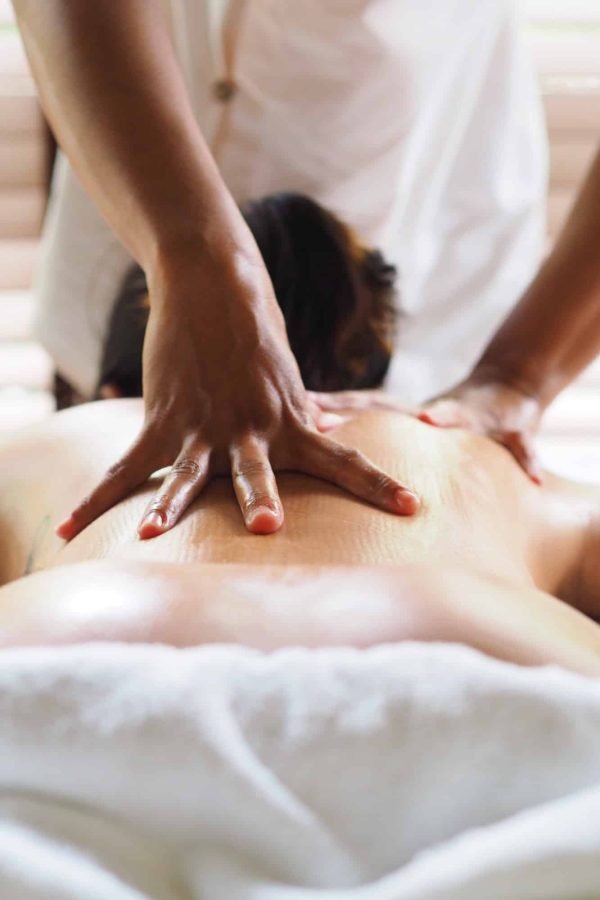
(417, 121)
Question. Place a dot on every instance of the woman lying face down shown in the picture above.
(490, 560)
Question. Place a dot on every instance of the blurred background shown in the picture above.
(564, 38)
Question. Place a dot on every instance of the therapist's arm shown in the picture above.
(222, 391)
(547, 340)
(554, 332)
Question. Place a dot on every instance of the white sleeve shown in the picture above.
(82, 266)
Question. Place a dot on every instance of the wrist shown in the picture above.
(517, 391)
(192, 267)
(534, 383)
(223, 284)
(208, 233)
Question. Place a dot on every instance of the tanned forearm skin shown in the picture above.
(222, 390)
(554, 332)
(149, 172)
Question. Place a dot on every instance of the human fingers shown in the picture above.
(188, 475)
(523, 451)
(443, 414)
(255, 487)
(351, 470)
(338, 401)
(121, 479)
(323, 421)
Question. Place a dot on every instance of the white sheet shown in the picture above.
(411, 772)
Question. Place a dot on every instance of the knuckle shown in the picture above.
(255, 499)
(381, 484)
(117, 471)
(187, 466)
(163, 505)
(347, 456)
(252, 468)
(155, 424)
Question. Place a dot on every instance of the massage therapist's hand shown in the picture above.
(223, 395)
(222, 391)
(336, 403)
(499, 411)
(547, 339)
(494, 409)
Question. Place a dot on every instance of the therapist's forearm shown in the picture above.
(112, 91)
(222, 391)
(554, 331)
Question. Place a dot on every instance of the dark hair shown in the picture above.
(337, 299)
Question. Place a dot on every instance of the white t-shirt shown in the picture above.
(416, 121)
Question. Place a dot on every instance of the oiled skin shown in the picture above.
(470, 567)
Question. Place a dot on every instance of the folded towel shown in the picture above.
(405, 772)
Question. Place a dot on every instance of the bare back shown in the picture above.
(465, 568)
(478, 508)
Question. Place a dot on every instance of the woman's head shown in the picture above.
(337, 299)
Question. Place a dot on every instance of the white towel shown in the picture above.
(406, 772)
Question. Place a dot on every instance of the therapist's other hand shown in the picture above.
(223, 395)
(330, 407)
(497, 410)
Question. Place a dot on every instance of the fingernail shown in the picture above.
(425, 417)
(152, 524)
(65, 529)
(407, 503)
(264, 520)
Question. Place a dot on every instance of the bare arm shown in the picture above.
(222, 390)
(551, 335)
(112, 89)
(554, 331)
